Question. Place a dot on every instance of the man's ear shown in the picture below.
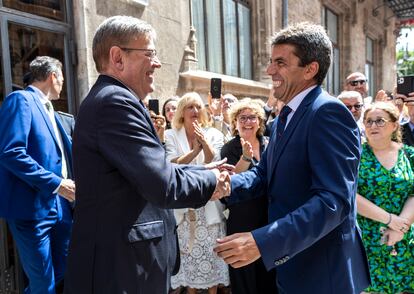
(311, 70)
(116, 59)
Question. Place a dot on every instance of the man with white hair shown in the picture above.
(355, 104)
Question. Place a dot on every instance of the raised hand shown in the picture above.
(215, 105)
(381, 96)
(247, 148)
(199, 133)
(238, 250)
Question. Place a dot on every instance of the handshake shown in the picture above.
(223, 172)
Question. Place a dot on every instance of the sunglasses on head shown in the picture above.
(356, 82)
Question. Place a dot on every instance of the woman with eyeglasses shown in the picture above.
(385, 201)
(247, 120)
(192, 141)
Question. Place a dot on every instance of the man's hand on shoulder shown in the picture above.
(67, 189)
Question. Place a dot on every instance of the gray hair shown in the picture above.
(117, 31)
(43, 66)
(350, 95)
(311, 44)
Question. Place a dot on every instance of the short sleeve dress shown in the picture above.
(392, 271)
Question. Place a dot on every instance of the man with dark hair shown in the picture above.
(309, 172)
(35, 167)
(124, 235)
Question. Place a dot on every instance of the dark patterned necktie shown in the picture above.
(281, 121)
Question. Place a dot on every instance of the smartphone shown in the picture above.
(215, 88)
(405, 85)
(153, 104)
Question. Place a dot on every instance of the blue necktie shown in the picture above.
(281, 121)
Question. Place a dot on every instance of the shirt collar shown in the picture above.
(411, 125)
(297, 100)
(40, 94)
(129, 89)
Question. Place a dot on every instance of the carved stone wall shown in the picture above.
(175, 41)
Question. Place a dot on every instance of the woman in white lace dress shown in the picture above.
(191, 141)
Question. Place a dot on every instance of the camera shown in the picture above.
(405, 85)
(215, 88)
(153, 104)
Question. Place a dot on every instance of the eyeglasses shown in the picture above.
(245, 118)
(151, 53)
(356, 82)
(356, 106)
(380, 122)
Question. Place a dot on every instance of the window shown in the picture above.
(25, 43)
(330, 22)
(25, 36)
(369, 65)
(223, 35)
(54, 9)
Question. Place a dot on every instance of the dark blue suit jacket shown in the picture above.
(124, 234)
(311, 179)
(30, 158)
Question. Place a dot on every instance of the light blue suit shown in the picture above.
(310, 178)
(30, 171)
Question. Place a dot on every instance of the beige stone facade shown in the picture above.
(179, 74)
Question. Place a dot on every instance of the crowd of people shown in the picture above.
(230, 193)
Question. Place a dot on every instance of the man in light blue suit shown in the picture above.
(35, 163)
(309, 172)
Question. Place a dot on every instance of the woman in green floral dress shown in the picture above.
(385, 202)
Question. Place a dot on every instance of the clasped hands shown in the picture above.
(223, 171)
(397, 227)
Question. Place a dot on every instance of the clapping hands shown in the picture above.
(247, 148)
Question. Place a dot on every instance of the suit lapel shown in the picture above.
(290, 129)
(182, 141)
(67, 145)
(409, 134)
(44, 115)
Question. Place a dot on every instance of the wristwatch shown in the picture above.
(245, 158)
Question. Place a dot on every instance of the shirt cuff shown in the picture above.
(57, 189)
(267, 108)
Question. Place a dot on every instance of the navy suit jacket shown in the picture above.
(30, 158)
(311, 180)
(124, 234)
(407, 134)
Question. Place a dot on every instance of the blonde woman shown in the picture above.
(192, 141)
(385, 201)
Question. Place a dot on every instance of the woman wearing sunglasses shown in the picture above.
(385, 201)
